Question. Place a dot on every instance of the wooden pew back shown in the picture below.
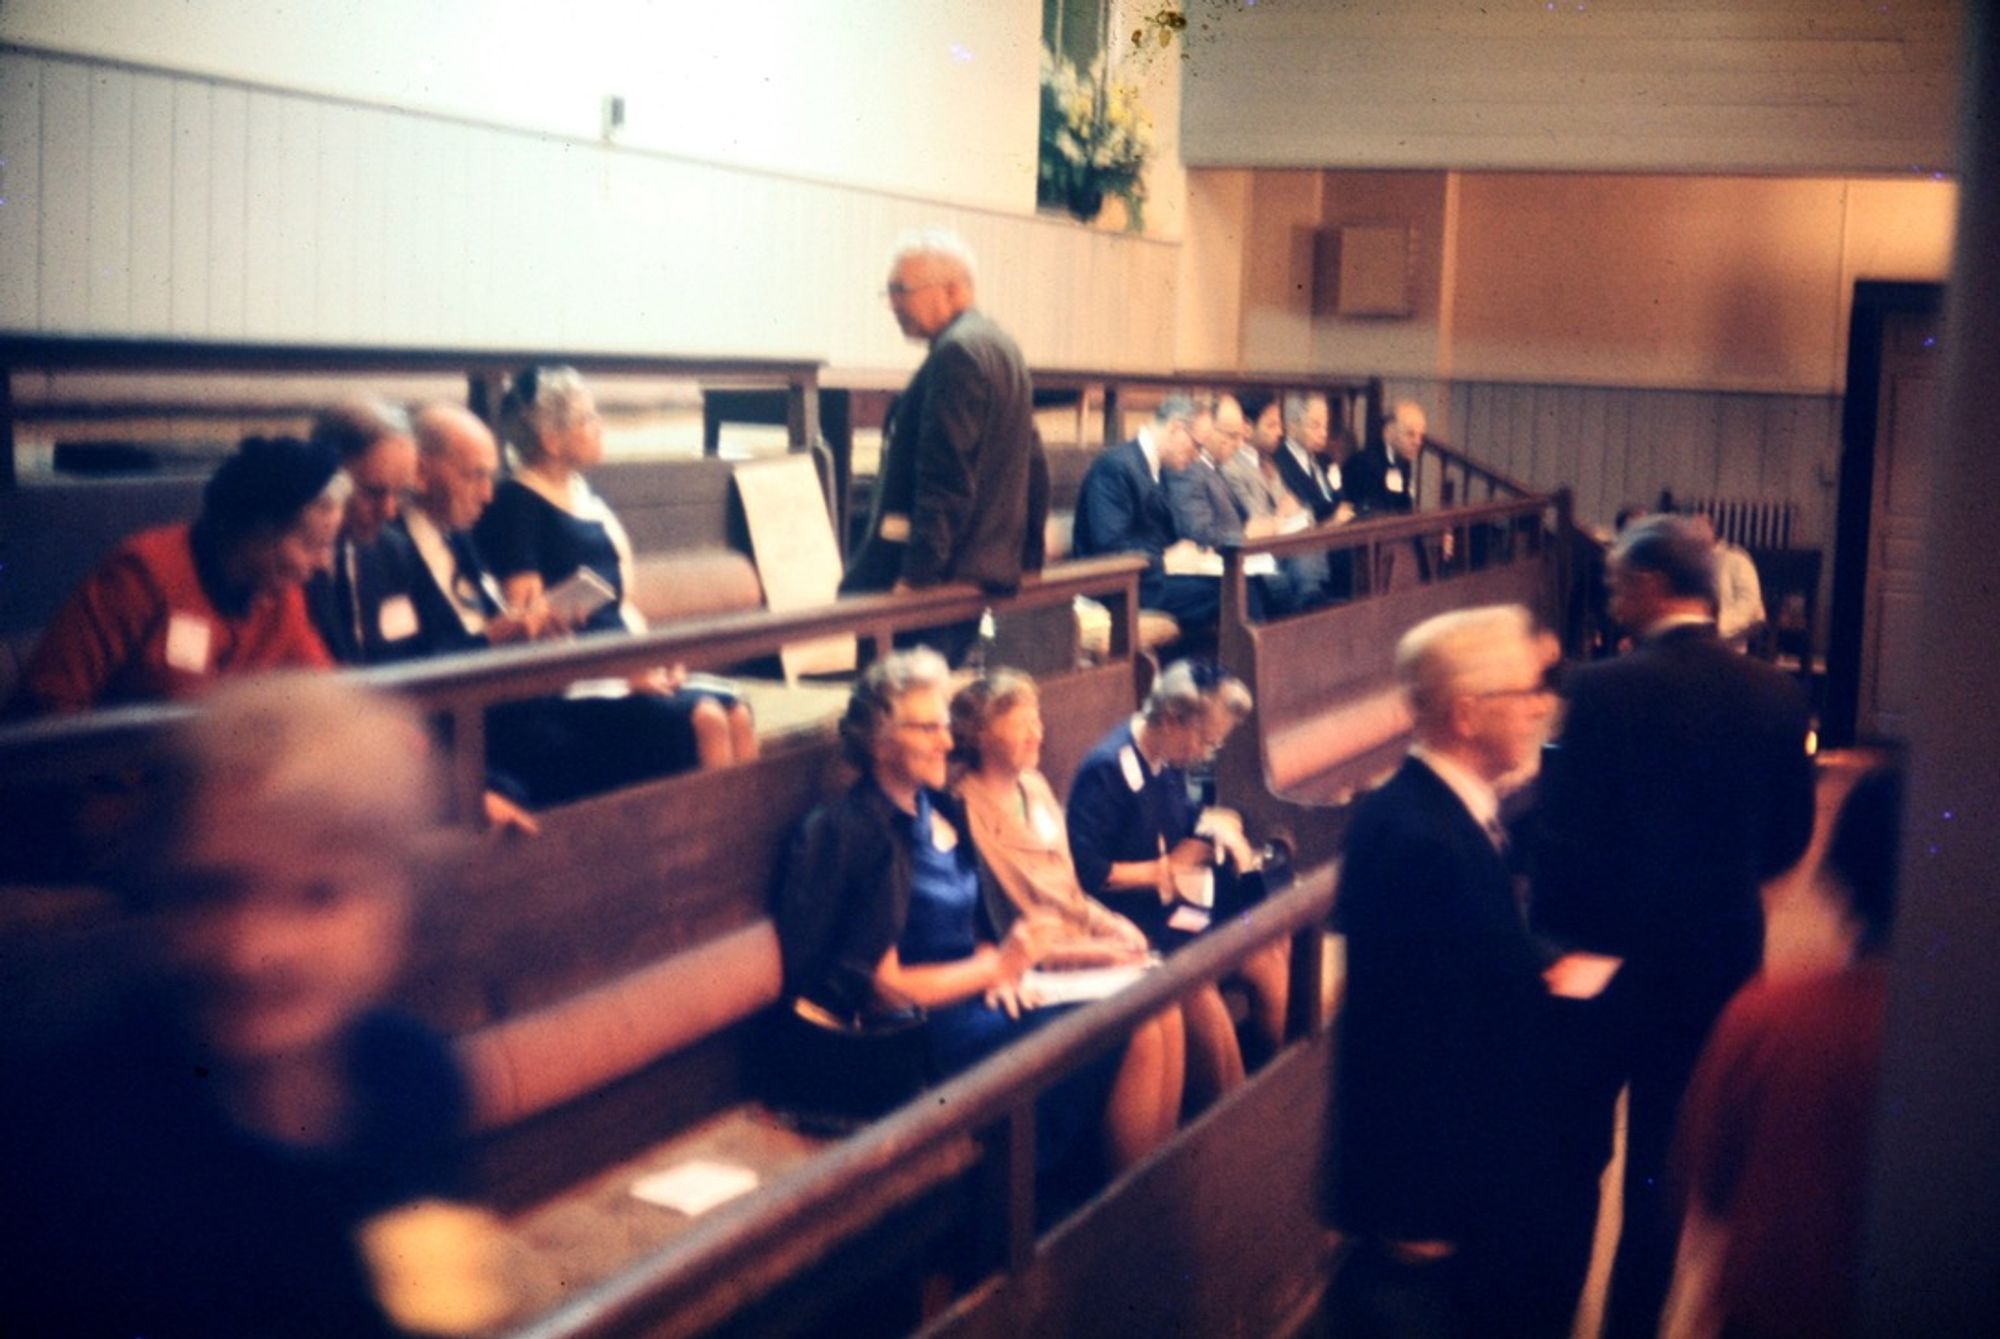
(1329, 719)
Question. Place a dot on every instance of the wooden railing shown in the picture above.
(1329, 718)
(459, 688)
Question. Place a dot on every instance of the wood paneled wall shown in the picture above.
(1801, 86)
(144, 203)
(1614, 445)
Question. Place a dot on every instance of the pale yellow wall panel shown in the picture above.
(1723, 283)
(1833, 87)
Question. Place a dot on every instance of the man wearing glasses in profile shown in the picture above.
(1448, 1122)
(963, 488)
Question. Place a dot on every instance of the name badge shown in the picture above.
(190, 640)
(944, 836)
(1128, 762)
(1393, 481)
(397, 619)
(1047, 829)
(895, 527)
(1333, 478)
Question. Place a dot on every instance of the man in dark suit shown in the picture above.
(370, 608)
(1122, 507)
(1383, 478)
(1680, 784)
(954, 498)
(1445, 1148)
(1298, 458)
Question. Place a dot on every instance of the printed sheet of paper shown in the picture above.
(797, 557)
(1041, 988)
(695, 1186)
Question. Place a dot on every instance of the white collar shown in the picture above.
(1473, 791)
(1150, 450)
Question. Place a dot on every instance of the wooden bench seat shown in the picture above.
(1330, 720)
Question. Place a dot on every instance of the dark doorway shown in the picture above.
(1895, 368)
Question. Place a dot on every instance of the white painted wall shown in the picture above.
(144, 203)
(930, 98)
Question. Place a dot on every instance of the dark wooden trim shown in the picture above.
(463, 685)
(183, 355)
(1874, 302)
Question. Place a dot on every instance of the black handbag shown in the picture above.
(836, 1070)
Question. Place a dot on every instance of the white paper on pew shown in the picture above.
(1581, 976)
(1188, 920)
(1260, 565)
(1040, 988)
(1185, 559)
(1296, 523)
(696, 1186)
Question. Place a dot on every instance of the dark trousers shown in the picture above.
(1195, 602)
(1513, 1281)
(1661, 1065)
(1629, 1039)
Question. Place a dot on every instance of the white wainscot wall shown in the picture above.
(148, 204)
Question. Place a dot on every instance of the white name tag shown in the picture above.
(190, 641)
(1333, 478)
(895, 527)
(397, 618)
(1047, 827)
(944, 836)
(1393, 481)
(1128, 762)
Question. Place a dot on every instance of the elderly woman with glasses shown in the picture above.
(1148, 851)
(886, 902)
(175, 608)
(1017, 826)
(546, 528)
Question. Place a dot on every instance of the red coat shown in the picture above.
(141, 629)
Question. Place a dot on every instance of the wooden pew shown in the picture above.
(606, 982)
(1329, 719)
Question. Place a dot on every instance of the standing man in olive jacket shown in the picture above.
(963, 489)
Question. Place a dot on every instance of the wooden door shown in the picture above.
(1906, 422)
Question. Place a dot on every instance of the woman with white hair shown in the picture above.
(546, 526)
(885, 905)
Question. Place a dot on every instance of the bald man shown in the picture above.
(955, 500)
(457, 461)
(1383, 478)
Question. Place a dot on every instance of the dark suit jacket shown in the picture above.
(1680, 783)
(1204, 510)
(1120, 509)
(392, 611)
(957, 468)
(1365, 480)
(1442, 1089)
(1308, 484)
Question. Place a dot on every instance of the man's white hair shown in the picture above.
(1464, 651)
(939, 244)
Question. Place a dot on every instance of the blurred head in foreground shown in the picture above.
(1474, 680)
(282, 861)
